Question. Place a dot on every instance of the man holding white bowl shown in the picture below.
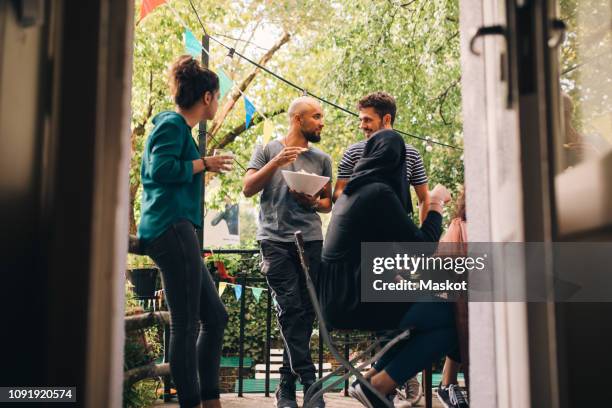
(284, 210)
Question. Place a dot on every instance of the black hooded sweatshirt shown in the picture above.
(372, 208)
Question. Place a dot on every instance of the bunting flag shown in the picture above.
(222, 286)
(268, 129)
(192, 45)
(225, 83)
(249, 109)
(257, 293)
(147, 6)
(238, 291)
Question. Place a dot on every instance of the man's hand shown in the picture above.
(306, 200)
(288, 155)
(218, 163)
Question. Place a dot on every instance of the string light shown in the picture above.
(229, 58)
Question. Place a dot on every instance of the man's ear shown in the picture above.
(298, 118)
(387, 119)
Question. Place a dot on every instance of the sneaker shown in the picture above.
(410, 395)
(366, 397)
(451, 396)
(316, 403)
(285, 394)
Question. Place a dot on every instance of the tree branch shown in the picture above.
(149, 371)
(235, 95)
(142, 320)
(442, 98)
(232, 134)
(137, 132)
(446, 42)
(241, 40)
(407, 3)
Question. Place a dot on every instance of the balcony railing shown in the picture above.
(152, 317)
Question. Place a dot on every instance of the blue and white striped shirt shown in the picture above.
(415, 171)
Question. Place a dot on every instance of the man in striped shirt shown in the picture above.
(377, 111)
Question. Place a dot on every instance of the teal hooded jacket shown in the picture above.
(170, 190)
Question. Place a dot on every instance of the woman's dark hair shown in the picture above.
(383, 161)
(189, 80)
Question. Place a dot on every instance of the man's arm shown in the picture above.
(338, 188)
(422, 192)
(255, 180)
(325, 201)
(345, 170)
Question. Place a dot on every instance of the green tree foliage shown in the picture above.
(339, 50)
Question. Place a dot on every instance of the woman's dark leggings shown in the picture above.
(194, 304)
(433, 335)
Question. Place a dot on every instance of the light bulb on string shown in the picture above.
(428, 146)
(229, 58)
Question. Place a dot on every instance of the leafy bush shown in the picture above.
(141, 347)
(255, 316)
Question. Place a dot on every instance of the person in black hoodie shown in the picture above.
(373, 208)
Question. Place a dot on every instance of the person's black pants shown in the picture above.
(433, 335)
(281, 266)
(198, 318)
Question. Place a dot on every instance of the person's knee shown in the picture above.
(217, 325)
(289, 306)
(184, 325)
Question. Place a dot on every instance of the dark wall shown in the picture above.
(48, 82)
(23, 88)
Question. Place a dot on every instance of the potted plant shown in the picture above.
(144, 277)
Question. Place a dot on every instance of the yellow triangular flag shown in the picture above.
(222, 286)
(268, 128)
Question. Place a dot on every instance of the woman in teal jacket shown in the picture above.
(171, 174)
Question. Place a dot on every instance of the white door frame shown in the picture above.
(499, 358)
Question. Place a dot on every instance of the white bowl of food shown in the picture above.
(304, 182)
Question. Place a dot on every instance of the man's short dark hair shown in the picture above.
(382, 102)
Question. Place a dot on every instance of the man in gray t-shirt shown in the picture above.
(283, 212)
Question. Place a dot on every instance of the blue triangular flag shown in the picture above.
(238, 291)
(257, 293)
(225, 83)
(192, 45)
(249, 108)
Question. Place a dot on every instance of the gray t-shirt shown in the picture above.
(280, 215)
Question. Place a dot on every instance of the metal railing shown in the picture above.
(242, 279)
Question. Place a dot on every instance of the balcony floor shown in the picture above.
(333, 400)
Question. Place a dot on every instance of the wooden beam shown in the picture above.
(140, 321)
(149, 371)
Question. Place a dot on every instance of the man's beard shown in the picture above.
(312, 137)
(371, 132)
